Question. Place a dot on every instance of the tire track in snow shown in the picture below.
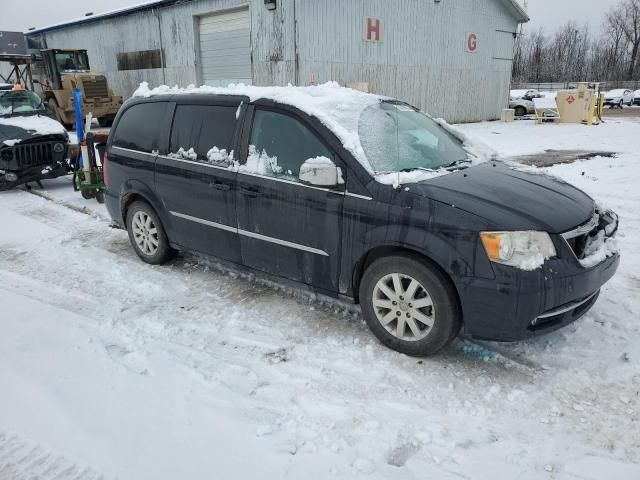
(20, 460)
(223, 328)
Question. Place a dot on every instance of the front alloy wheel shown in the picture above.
(410, 304)
(404, 307)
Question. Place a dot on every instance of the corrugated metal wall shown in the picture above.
(421, 59)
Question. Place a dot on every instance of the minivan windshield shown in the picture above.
(397, 137)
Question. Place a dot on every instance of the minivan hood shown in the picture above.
(511, 199)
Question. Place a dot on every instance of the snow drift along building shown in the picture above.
(450, 57)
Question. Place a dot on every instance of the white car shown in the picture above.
(619, 97)
(526, 94)
(636, 97)
(521, 106)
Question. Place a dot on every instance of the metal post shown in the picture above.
(77, 107)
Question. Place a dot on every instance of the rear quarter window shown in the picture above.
(139, 127)
(203, 133)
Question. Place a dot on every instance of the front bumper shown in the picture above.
(519, 304)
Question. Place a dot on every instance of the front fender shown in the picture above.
(443, 234)
(451, 250)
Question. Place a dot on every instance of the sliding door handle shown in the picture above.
(250, 193)
(220, 186)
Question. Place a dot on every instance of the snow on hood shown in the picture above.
(337, 107)
(27, 127)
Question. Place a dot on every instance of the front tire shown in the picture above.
(410, 305)
(520, 111)
(147, 235)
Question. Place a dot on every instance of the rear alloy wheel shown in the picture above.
(147, 235)
(409, 305)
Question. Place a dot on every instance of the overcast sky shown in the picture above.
(551, 14)
(19, 15)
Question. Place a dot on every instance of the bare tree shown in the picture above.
(624, 19)
(573, 53)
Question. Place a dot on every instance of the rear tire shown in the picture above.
(520, 111)
(410, 305)
(53, 108)
(147, 235)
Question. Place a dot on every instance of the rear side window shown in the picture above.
(203, 133)
(139, 127)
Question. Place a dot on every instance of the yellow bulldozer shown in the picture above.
(62, 70)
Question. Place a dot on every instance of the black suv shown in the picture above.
(362, 197)
(33, 146)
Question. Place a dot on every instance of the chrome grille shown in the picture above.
(95, 87)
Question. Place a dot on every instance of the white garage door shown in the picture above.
(225, 48)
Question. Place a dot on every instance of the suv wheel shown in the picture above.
(147, 235)
(409, 305)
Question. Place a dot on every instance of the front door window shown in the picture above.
(280, 144)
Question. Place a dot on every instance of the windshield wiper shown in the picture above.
(424, 169)
(457, 164)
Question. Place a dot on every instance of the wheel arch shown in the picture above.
(134, 190)
(381, 251)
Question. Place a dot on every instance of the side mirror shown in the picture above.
(321, 172)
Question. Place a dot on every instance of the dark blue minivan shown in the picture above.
(362, 197)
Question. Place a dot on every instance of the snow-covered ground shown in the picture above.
(111, 367)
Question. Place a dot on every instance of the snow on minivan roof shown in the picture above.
(339, 108)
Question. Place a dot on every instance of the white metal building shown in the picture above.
(452, 58)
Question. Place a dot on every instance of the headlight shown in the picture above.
(58, 147)
(525, 250)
